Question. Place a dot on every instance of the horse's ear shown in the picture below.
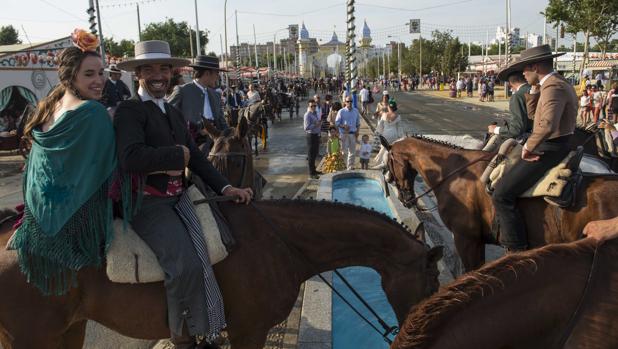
(419, 233)
(385, 143)
(243, 128)
(211, 130)
(434, 255)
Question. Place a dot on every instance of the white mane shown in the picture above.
(464, 141)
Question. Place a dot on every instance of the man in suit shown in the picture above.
(553, 103)
(518, 126)
(198, 100)
(153, 143)
(115, 90)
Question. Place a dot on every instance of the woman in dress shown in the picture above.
(388, 127)
(67, 219)
(382, 106)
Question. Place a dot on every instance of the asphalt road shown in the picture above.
(435, 115)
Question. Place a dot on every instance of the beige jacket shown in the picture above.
(554, 110)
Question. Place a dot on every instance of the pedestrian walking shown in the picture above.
(584, 108)
(312, 124)
(364, 98)
(348, 122)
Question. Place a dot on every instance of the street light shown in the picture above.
(398, 58)
(275, 48)
(227, 82)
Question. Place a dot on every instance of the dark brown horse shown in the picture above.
(467, 210)
(281, 244)
(558, 296)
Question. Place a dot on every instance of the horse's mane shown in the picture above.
(449, 141)
(360, 209)
(456, 141)
(419, 330)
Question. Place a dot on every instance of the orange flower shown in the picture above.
(84, 40)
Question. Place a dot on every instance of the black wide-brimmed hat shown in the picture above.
(113, 69)
(529, 56)
(206, 62)
(152, 52)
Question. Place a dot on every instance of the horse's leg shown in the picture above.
(471, 251)
(73, 338)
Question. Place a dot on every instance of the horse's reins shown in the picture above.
(580, 304)
(388, 330)
(414, 200)
(233, 154)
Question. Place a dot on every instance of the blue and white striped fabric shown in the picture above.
(214, 300)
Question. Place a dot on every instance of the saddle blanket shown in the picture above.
(130, 260)
(551, 184)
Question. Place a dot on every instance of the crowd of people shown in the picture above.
(596, 104)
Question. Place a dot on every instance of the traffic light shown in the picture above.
(91, 19)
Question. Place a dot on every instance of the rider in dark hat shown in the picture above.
(115, 90)
(198, 100)
(154, 145)
(553, 103)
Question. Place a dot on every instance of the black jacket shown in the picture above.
(147, 141)
(115, 93)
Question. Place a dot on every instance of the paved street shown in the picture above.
(427, 114)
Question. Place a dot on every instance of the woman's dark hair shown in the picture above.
(337, 106)
(69, 62)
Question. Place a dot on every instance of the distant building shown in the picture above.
(534, 40)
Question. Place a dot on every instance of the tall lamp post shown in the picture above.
(398, 58)
(275, 49)
(227, 82)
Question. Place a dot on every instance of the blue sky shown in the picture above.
(44, 20)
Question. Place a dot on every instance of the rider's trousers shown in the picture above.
(158, 224)
(522, 176)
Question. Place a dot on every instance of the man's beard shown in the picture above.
(156, 88)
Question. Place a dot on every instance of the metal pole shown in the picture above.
(225, 29)
(237, 48)
(191, 41)
(420, 55)
(102, 47)
(556, 48)
(544, 30)
(275, 52)
(399, 62)
(285, 60)
(198, 46)
(257, 64)
(574, 56)
(139, 25)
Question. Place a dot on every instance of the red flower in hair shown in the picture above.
(84, 40)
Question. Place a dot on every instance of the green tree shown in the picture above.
(450, 58)
(592, 17)
(124, 48)
(176, 34)
(9, 35)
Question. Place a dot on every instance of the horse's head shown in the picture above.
(401, 283)
(401, 172)
(231, 153)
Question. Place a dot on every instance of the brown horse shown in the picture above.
(558, 296)
(466, 208)
(281, 243)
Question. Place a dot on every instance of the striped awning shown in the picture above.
(608, 63)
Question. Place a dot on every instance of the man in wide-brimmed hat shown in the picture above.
(154, 144)
(198, 100)
(518, 126)
(553, 103)
(115, 90)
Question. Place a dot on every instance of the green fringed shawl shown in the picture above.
(68, 213)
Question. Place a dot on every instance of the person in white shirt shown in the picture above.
(364, 97)
(365, 152)
(389, 127)
(584, 107)
(253, 96)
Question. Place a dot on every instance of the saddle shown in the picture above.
(130, 260)
(558, 186)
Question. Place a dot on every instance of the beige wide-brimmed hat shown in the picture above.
(152, 52)
(113, 69)
(529, 56)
